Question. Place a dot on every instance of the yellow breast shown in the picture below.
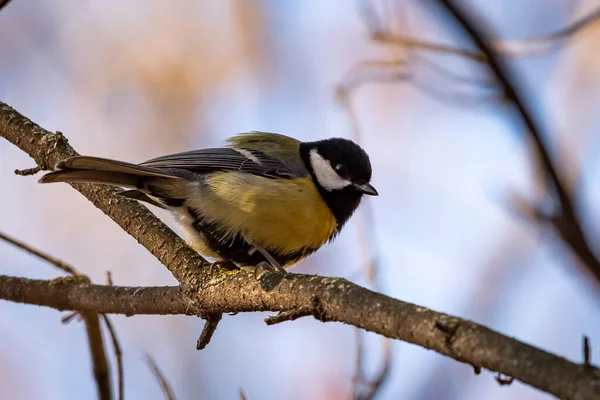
(286, 216)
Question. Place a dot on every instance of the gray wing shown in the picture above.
(229, 159)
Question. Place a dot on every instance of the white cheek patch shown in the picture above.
(325, 173)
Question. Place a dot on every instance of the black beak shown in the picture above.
(366, 188)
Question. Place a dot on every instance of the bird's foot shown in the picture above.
(263, 267)
(227, 265)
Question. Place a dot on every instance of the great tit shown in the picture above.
(264, 197)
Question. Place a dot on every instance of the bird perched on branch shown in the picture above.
(265, 200)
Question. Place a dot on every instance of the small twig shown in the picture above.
(587, 356)
(384, 373)
(28, 171)
(288, 316)
(98, 352)
(116, 345)
(370, 263)
(529, 47)
(504, 380)
(164, 384)
(243, 394)
(571, 229)
(359, 373)
(109, 280)
(91, 319)
(118, 355)
(40, 254)
(210, 326)
(67, 318)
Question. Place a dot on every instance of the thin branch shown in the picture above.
(118, 355)
(116, 346)
(371, 264)
(91, 319)
(210, 326)
(63, 266)
(330, 299)
(28, 171)
(97, 350)
(160, 377)
(288, 316)
(529, 47)
(587, 357)
(359, 371)
(64, 294)
(567, 222)
(339, 300)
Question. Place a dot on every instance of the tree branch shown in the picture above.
(566, 221)
(99, 361)
(328, 299)
(65, 294)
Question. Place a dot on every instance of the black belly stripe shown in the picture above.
(237, 249)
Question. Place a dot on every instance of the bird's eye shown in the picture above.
(341, 170)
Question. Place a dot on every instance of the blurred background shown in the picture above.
(138, 79)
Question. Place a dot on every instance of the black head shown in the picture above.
(342, 171)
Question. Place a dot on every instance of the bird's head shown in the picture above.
(339, 164)
(342, 172)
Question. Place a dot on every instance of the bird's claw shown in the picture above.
(264, 267)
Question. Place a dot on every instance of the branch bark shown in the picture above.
(329, 299)
(206, 291)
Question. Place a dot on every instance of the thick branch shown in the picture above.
(330, 299)
(327, 299)
(63, 294)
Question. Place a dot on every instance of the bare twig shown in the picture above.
(210, 326)
(587, 357)
(288, 316)
(116, 346)
(97, 350)
(529, 47)
(567, 222)
(91, 319)
(118, 355)
(359, 371)
(69, 317)
(62, 294)
(504, 380)
(28, 171)
(40, 254)
(384, 372)
(371, 264)
(109, 280)
(160, 377)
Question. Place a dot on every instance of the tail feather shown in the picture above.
(101, 170)
(151, 185)
(106, 165)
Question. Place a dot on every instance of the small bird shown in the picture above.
(264, 200)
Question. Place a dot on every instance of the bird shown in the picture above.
(263, 200)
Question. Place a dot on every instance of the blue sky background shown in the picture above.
(137, 79)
